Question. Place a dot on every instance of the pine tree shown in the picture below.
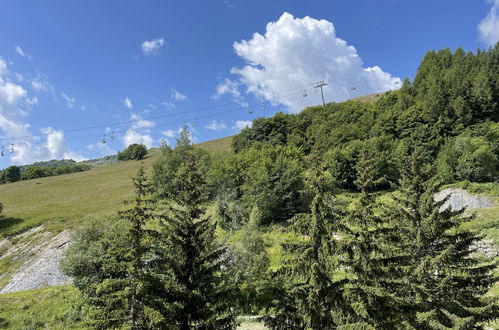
(446, 283)
(311, 299)
(194, 259)
(373, 262)
(127, 297)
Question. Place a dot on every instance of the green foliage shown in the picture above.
(117, 272)
(310, 294)
(451, 91)
(165, 169)
(343, 162)
(250, 269)
(10, 174)
(473, 155)
(270, 178)
(41, 169)
(445, 282)
(133, 152)
(194, 260)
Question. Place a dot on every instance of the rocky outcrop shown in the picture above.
(42, 254)
(460, 198)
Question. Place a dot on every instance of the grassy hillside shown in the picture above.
(63, 201)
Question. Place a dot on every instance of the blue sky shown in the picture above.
(135, 71)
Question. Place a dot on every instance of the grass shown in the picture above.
(62, 202)
(50, 308)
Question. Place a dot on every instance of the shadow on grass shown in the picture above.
(3, 323)
(6, 224)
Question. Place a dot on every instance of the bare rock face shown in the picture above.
(460, 198)
(41, 268)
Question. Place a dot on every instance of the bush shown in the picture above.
(468, 158)
(133, 151)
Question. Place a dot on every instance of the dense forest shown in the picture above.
(388, 257)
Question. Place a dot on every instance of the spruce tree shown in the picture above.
(371, 259)
(129, 295)
(193, 258)
(311, 298)
(446, 282)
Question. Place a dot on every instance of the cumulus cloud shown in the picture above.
(21, 52)
(127, 103)
(152, 47)
(489, 26)
(139, 132)
(177, 96)
(15, 129)
(216, 125)
(296, 52)
(240, 124)
(132, 137)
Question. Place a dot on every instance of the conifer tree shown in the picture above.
(446, 282)
(373, 261)
(127, 296)
(311, 298)
(193, 258)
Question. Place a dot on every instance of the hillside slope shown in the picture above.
(97, 192)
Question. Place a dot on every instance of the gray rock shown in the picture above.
(41, 269)
(460, 198)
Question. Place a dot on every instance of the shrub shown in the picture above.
(133, 151)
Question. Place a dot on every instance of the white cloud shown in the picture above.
(489, 26)
(177, 96)
(13, 126)
(131, 136)
(3, 67)
(168, 105)
(152, 47)
(240, 124)
(169, 133)
(139, 132)
(54, 146)
(141, 123)
(20, 51)
(70, 101)
(216, 125)
(32, 101)
(41, 84)
(102, 148)
(297, 52)
(231, 88)
(127, 103)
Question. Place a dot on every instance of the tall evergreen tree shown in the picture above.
(373, 261)
(446, 282)
(128, 296)
(311, 299)
(194, 259)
